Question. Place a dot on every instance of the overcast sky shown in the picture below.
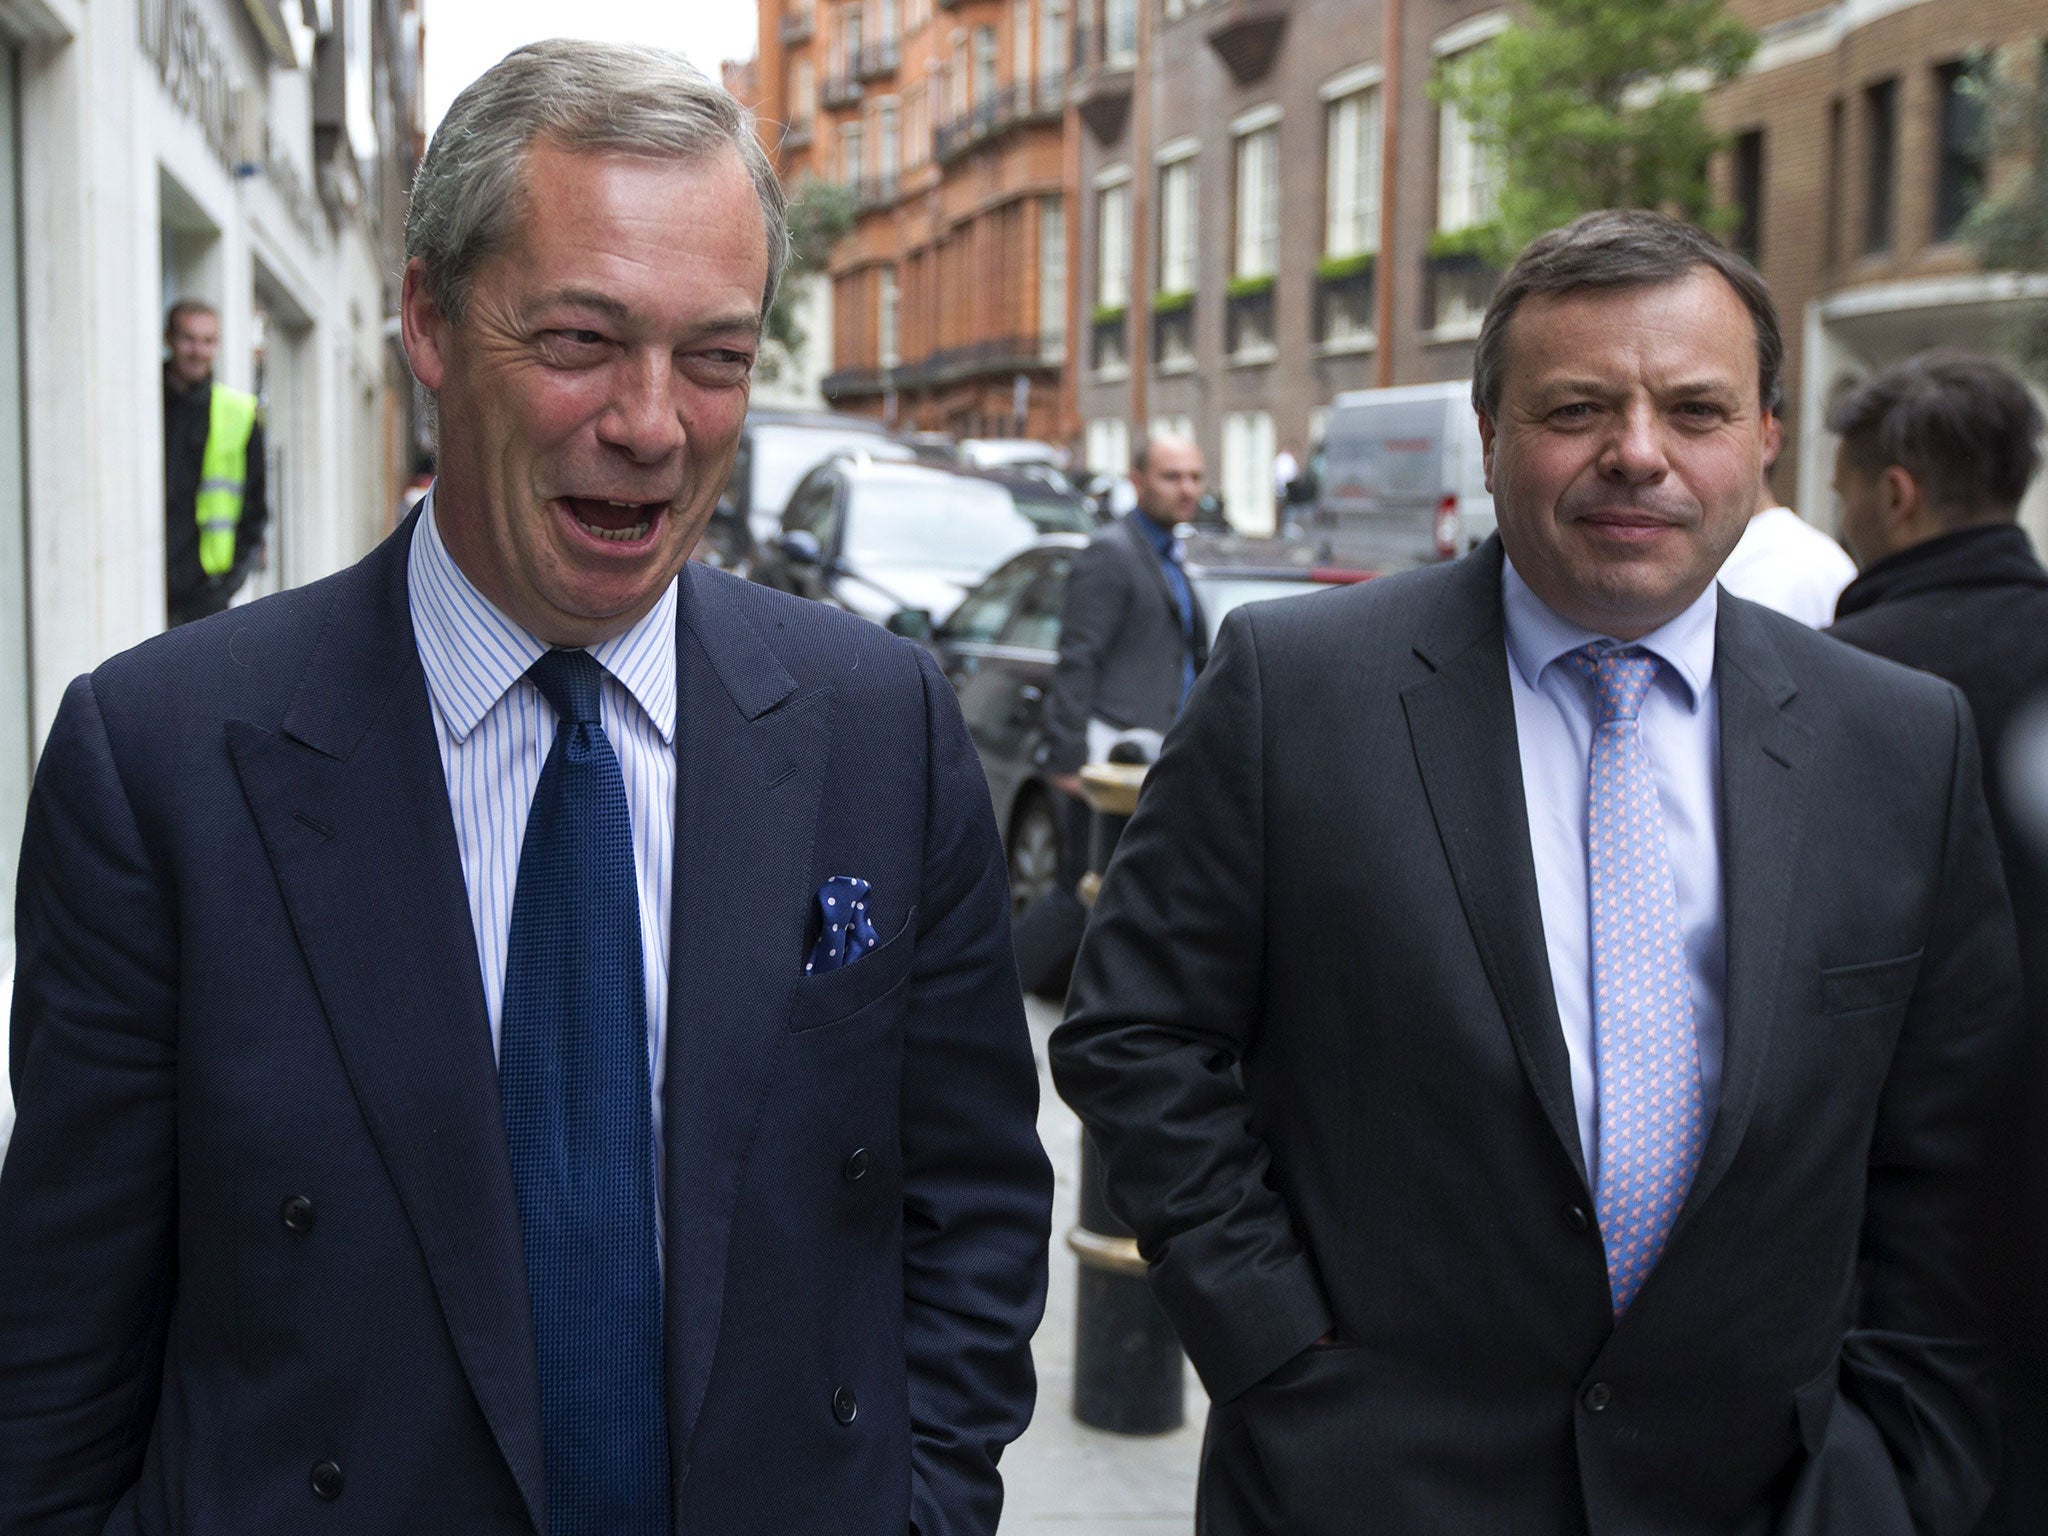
(466, 37)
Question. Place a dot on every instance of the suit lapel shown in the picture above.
(352, 806)
(1764, 754)
(1461, 721)
(750, 766)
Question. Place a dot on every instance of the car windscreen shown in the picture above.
(939, 523)
(1220, 594)
(1050, 512)
(783, 455)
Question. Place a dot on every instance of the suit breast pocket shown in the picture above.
(1869, 988)
(838, 995)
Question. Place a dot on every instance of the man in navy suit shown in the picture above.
(277, 1245)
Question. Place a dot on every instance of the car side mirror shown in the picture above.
(912, 624)
(799, 546)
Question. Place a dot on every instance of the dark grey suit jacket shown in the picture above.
(1314, 1033)
(1121, 646)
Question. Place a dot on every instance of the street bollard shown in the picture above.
(1128, 1367)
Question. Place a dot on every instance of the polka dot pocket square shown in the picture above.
(845, 932)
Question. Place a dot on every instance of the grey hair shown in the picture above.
(1619, 248)
(583, 97)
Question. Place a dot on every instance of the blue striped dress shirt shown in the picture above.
(494, 730)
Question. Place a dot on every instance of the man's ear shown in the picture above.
(1486, 448)
(1899, 498)
(1774, 439)
(424, 327)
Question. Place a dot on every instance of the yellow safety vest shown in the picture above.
(223, 476)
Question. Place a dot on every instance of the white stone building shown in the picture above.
(251, 153)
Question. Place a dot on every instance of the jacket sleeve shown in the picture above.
(1911, 1441)
(89, 1188)
(1161, 1010)
(977, 1189)
(1098, 597)
(255, 518)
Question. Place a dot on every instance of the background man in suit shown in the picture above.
(1538, 1019)
(743, 1228)
(1133, 638)
(1935, 456)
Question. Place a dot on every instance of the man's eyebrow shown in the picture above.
(581, 298)
(748, 320)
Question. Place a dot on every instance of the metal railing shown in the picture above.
(1008, 108)
(878, 59)
(798, 27)
(840, 91)
(872, 192)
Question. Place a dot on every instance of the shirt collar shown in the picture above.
(1538, 635)
(1161, 539)
(473, 654)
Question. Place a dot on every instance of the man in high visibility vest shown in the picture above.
(214, 505)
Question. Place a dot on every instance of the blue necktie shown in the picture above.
(573, 1070)
(1645, 1049)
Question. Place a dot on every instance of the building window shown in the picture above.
(1959, 176)
(1467, 181)
(1020, 49)
(803, 96)
(1108, 447)
(987, 53)
(1172, 426)
(1177, 226)
(888, 21)
(850, 153)
(1119, 34)
(1248, 471)
(887, 308)
(1258, 203)
(1351, 224)
(1748, 190)
(1880, 164)
(1052, 280)
(1113, 231)
(891, 146)
(1052, 51)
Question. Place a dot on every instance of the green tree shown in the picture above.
(820, 214)
(2009, 229)
(1590, 104)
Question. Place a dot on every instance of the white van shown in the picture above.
(1403, 481)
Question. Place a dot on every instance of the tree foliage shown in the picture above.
(1591, 104)
(2009, 229)
(820, 214)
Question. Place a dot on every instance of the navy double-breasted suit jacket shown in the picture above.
(258, 1215)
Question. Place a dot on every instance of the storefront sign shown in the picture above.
(195, 72)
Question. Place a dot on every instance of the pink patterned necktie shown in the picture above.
(1652, 1121)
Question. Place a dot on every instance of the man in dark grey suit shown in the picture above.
(1133, 637)
(1539, 1020)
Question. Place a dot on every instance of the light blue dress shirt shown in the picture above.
(494, 730)
(1681, 733)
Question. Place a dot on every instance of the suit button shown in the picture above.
(1575, 1217)
(845, 1408)
(297, 1214)
(1597, 1397)
(856, 1167)
(327, 1480)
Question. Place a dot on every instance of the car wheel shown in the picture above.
(1034, 853)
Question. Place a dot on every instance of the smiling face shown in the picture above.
(1625, 454)
(193, 338)
(592, 397)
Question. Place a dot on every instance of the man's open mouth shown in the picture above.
(618, 522)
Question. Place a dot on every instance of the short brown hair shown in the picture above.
(184, 307)
(1621, 248)
(1964, 428)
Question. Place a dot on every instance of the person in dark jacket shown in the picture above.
(1935, 456)
(201, 577)
(1133, 637)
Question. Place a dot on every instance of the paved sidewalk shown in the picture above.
(1063, 1477)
